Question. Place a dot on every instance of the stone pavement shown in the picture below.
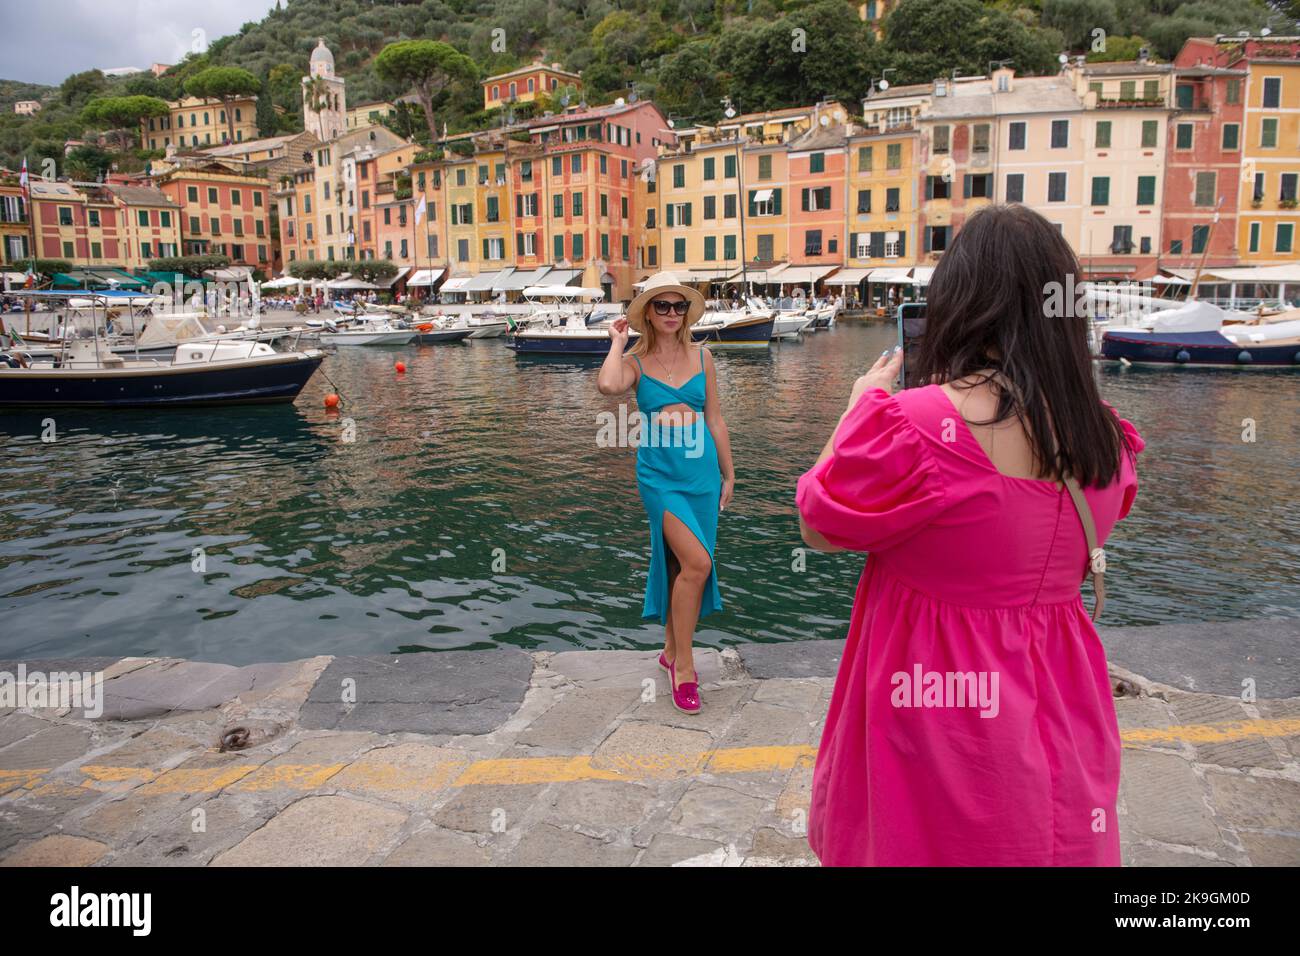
(575, 758)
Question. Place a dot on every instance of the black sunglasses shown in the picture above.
(664, 306)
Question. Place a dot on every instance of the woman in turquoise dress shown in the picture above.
(683, 466)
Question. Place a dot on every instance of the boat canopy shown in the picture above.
(562, 292)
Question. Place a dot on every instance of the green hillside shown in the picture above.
(685, 54)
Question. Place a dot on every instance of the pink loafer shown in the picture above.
(665, 663)
(686, 696)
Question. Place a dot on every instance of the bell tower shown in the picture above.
(324, 99)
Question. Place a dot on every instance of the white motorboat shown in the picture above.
(789, 325)
(368, 330)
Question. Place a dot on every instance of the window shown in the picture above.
(729, 247)
(710, 168)
(623, 207)
(1103, 134)
(679, 250)
(1272, 92)
(165, 218)
(1150, 90)
(936, 238)
(557, 206)
(729, 206)
(626, 249)
(936, 187)
(557, 166)
(765, 166)
(894, 156)
(146, 251)
(891, 199)
(710, 248)
(817, 163)
(215, 223)
(1016, 135)
(1231, 133)
(864, 159)
(1060, 134)
(1234, 91)
(650, 218)
(980, 139)
(1205, 183)
(558, 245)
(96, 250)
(978, 186)
(678, 213)
(815, 199)
(192, 193)
(1183, 136)
(142, 216)
(1150, 134)
(1288, 191)
(494, 249)
(195, 227)
(604, 164)
(939, 140)
(1128, 89)
(765, 202)
(1015, 187)
(528, 205)
(93, 215)
(1254, 236)
(651, 252)
(1100, 190)
(1200, 235)
(65, 215)
(729, 167)
(679, 176)
(1175, 247)
(1121, 242)
(462, 250)
(235, 199)
(1268, 133)
(67, 250)
(710, 207)
(765, 247)
(812, 242)
(604, 205)
(1285, 236)
(1056, 187)
(494, 209)
(576, 200)
(1146, 194)
(864, 200)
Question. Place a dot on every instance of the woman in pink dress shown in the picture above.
(971, 721)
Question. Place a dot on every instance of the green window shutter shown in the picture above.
(604, 245)
(776, 201)
(1100, 190)
(709, 167)
(1103, 134)
(577, 245)
(1150, 134)
(669, 215)
(710, 248)
(852, 251)
(1230, 136)
(519, 243)
(558, 243)
(1183, 136)
(686, 218)
(679, 250)
(817, 163)
(729, 167)
(1146, 190)
(679, 176)
(1268, 133)
(825, 198)
(557, 206)
(728, 247)
(485, 248)
(753, 205)
(803, 194)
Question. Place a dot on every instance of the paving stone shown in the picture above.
(547, 845)
(1271, 849)
(766, 725)
(1283, 710)
(318, 831)
(59, 849)
(776, 848)
(167, 686)
(493, 808)
(1140, 855)
(1265, 803)
(1240, 754)
(154, 749)
(791, 659)
(1164, 800)
(669, 849)
(452, 692)
(627, 668)
(435, 847)
(193, 839)
(599, 806)
(579, 721)
(412, 774)
(15, 727)
(718, 711)
(1206, 709)
(51, 747)
(716, 813)
(639, 747)
(1142, 713)
(801, 696)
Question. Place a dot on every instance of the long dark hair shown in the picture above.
(1004, 296)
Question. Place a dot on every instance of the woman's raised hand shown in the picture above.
(618, 332)
(883, 374)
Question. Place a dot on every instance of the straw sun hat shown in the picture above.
(656, 285)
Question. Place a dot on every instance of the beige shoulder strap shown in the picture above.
(1096, 568)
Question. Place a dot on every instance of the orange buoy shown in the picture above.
(424, 327)
(331, 400)
(401, 367)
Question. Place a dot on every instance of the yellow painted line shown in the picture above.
(519, 771)
(1220, 733)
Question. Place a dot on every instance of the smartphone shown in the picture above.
(911, 326)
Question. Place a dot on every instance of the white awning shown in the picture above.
(563, 292)
(799, 274)
(1268, 274)
(456, 285)
(708, 275)
(481, 282)
(522, 279)
(896, 276)
(348, 283)
(284, 282)
(848, 277)
(1170, 280)
(763, 195)
(232, 274)
(563, 276)
(423, 277)
(503, 279)
(922, 275)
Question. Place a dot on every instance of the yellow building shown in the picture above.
(1268, 218)
(461, 214)
(699, 206)
(368, 114)
(646, 227)
(196, 122)
(526, 83)
(883, 204)
(767, 205)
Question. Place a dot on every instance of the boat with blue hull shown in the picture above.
(1198, 348)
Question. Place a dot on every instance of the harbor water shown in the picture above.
(468, 503)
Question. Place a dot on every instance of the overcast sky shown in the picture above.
(43, 41)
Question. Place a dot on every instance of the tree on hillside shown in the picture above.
(227, 84)
(80, 87)
(121, 115)
(928, 39)
(427, 68)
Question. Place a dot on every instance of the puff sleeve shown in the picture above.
(1128, 465)
(880, 484)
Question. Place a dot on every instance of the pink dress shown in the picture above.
(971, 722)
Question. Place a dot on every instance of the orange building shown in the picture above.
(224, 212)
(526, 83)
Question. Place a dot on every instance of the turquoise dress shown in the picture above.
(677, 471)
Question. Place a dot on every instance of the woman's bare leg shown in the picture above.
(694, 565)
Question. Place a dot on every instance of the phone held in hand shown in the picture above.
(911, 326)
